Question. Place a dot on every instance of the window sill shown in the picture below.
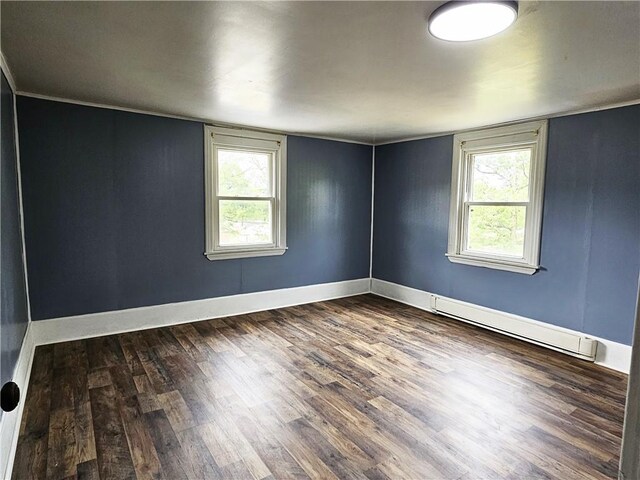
(261, 252)
(495, 264)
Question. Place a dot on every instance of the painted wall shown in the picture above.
(114, 212)
(13, 305)
(591, 227)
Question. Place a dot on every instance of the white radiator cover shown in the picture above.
(608, 353)
(530, 330)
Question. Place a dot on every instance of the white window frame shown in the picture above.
(240, 139)
(525, 135)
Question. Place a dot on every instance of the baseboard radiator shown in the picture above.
(535, 332)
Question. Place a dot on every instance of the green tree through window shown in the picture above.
(496, 222)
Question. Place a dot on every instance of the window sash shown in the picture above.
(270, 152)
(223, 197)
(218, 198)
(470, 170)
(468, 173)
(496, 204)
(482, 254)
(531, 135)
(246, 246)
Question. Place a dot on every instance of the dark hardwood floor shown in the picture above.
(353, 388)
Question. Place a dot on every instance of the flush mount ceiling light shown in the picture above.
(464, 21)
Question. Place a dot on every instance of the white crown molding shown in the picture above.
(616, 356)
(566, 113)
(206, 121)
(119, 321)
(10, 423)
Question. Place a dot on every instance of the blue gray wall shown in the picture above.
(114, 218)
(13, 305)
(114, 212)
(591, 227)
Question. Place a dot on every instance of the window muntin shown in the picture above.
(497, 186)
(245, 206)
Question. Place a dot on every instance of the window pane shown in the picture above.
(244, 174)
(245, 222)
(497, 229)
(501, 176)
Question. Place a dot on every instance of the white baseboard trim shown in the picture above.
(610, 354)
(10, 423)
(407, 295)
(119, 321)
(613, 355)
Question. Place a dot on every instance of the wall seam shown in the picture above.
(6, 70)
(373, 187)
(20, 203)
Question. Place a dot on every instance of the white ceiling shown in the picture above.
(364, 71)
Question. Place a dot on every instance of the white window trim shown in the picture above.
(248, 139)
(532, 134)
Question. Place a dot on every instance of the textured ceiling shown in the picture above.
(364, 71)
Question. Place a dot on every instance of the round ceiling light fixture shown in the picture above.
(467, 20)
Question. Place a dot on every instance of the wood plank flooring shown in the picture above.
(354, 388)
